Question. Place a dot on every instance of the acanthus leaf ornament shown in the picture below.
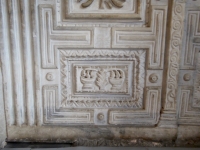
(87, 3)
(107, 3)
(102, 79)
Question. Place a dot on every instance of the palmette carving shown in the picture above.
(101, 79)
(108, 3)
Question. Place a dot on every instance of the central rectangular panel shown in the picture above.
(103, 77)
(103, 6)
(104, 9)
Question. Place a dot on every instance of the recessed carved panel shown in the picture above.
(102, 7)
(191, 42)
(71, 12)
(106, 78)
(99, 63)
(99, 77)
(53, 115)
(189, 78)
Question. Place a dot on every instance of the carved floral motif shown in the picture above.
(124, 77)
(108, 3)
(102, 79)
(88, 77)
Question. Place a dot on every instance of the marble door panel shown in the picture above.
(93, 68)
(121, 78)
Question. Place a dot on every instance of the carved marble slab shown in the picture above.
(103, 68)
(99, 63)
(103, 6)
(77, 12)
(108, 78)
(189, 78)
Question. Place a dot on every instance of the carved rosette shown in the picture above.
(153, 78)
(187, 77)
(50, 76)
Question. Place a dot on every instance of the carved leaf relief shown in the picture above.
(99, 78)
(103, 3)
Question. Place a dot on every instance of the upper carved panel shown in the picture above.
(104, 6)
(110, 11)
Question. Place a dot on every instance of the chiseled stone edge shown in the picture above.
(2, 115)
(122, 142)
(3, 134)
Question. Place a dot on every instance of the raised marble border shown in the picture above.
(142, 21)
(188, 96)
(71, 101)
(3, 129)
(3, 133)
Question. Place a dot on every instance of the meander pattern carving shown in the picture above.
(66, 76)
(189, 79)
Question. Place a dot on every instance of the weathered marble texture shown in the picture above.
(3, 134)
(3, 131)
(103, 72)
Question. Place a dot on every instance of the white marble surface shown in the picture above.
(103, 72)
(2, 116)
